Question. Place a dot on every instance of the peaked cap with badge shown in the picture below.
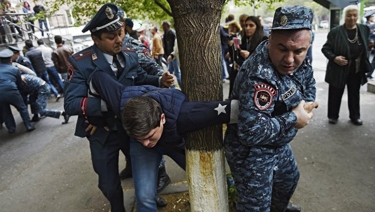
(292, 17)
(6, 53)
(105, 19)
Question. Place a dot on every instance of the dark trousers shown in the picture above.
(353, 84)
(232, 77)
(6, 116)
(105, 158)
(15, 99)
(159, 59)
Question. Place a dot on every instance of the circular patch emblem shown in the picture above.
(283, 20)
(263, 96)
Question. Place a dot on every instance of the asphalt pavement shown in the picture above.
(50, 169)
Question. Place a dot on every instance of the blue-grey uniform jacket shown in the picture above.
(25, 62)
(170, 101)
(266, 99)
(10, 79)
(77, 100)
(33, 83)
(144, 56)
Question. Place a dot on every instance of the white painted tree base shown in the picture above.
(207, 181)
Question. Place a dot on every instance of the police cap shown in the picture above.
(6, 53)
(105, 19)
(292, 17)
(14, 48)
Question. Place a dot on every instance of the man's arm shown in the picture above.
(76, 100)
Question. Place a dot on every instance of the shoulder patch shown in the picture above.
(70, 71)
(263, 95)
(81, 55)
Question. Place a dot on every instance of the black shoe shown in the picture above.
(30, 128)
(292, 208)
(163, 179)
(160, 202)
(332, 121)
(35, 118)
(66, 117)
(126, 173)
(11, 131)
(357, 122)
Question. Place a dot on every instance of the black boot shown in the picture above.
(35, 118)
(163, 179)
(127, 172)
(66, 118)
(160, 202)
(292, 208)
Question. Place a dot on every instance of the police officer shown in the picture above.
(100, 125)
(18, 58)
(39, 92)
(10, 81)
(276, 99)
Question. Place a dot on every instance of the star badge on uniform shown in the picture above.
(220, 109)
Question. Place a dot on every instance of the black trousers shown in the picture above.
(105, 159)
(353, 84)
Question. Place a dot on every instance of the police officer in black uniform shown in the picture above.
(99, 124)
(10, 81)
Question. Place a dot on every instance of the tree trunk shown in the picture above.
(198, 35)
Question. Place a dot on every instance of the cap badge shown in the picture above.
(109, 13)
(283, 20)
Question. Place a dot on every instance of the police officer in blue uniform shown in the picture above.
(18, 58)
(276, 90)
(10, 81)
(100, 125)
(39, 92)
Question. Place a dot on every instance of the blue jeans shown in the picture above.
(52, 72)
(45, 77)
(41, 22)
(145, 166)
(174, 69)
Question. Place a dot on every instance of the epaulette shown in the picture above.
(127, 49)
(82, 54)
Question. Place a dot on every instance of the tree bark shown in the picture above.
(198, 35)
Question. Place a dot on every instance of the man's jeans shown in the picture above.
(52, 72)
(41, 22)
(174, 69)
(145, 166)
(45, 77)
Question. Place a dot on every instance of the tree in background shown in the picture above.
(197, 26)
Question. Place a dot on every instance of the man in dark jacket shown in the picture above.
(40, 11)
(169, 117)
(37, 61)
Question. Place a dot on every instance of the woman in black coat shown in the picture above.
(346, 50)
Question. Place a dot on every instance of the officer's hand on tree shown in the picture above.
(95, 122)
(303, 117)
(167, 80)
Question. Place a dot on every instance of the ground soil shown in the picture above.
(176, 202)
